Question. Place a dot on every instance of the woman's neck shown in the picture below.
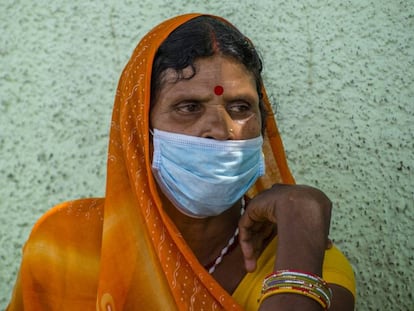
(205, 236)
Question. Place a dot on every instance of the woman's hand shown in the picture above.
(302, 215)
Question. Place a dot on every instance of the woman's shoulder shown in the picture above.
(67, 230)
(71, 221)
(70, 225)
(61, 258)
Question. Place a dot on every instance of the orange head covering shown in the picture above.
(145, 262)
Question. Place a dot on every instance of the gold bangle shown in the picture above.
(291, 290)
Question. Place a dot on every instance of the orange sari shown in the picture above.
(123, 252)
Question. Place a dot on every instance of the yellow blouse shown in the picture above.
(336, 270)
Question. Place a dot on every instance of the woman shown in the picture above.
(190, 216)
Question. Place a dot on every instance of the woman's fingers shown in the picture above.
(247, 242)
(252, 236)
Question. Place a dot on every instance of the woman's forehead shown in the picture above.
(214, 69)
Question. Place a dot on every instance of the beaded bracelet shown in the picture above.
(297, 282)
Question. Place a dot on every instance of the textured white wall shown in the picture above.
(341, 75)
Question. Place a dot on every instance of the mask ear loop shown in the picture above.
(151, 144)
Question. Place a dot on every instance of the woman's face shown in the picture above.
(220, 101)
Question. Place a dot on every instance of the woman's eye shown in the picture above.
(188, 107)
(240, 108)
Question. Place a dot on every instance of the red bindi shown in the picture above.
(218, 90)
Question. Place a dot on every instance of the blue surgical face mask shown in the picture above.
(205, 177)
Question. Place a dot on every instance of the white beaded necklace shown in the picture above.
(230, 243)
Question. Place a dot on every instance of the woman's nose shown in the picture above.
(218, 124)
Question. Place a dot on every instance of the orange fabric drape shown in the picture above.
(136, 257)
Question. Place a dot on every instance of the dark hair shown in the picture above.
(205, 36)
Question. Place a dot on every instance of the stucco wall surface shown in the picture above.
(341, 74)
